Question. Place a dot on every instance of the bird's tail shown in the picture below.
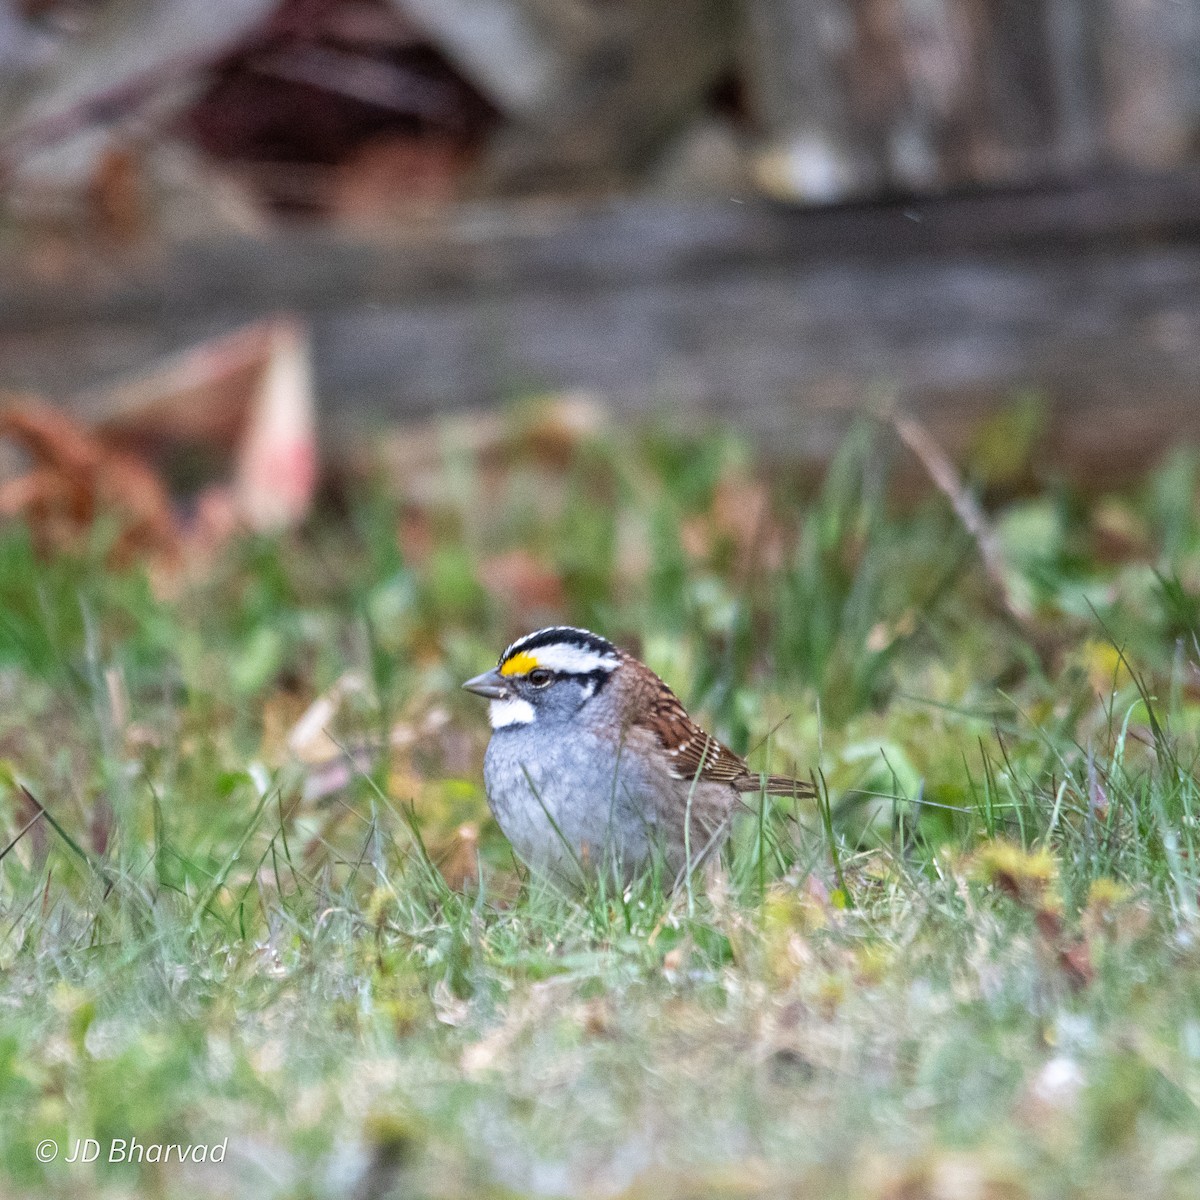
(777, 785)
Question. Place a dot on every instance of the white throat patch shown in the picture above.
(502, 713)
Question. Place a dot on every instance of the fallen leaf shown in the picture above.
(248, 397)
(245, 400)
(276, 462)
(76, 477)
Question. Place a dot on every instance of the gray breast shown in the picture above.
(563, 801)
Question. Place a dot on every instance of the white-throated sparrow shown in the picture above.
(593, 763)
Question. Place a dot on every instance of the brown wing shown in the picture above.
(693, 754)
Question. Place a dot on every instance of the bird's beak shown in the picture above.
(491, 685)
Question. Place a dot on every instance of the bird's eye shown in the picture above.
(540, 677)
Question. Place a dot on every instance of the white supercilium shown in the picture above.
(566, 659)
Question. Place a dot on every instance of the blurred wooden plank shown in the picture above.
(786, 322)
(498, 249)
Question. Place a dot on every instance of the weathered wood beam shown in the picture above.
(784, 321)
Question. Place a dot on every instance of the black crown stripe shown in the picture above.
(567, 635)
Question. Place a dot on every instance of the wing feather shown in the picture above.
(693, 754)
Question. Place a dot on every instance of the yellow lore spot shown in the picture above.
(520, 664)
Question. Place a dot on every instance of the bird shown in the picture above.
(594, 766)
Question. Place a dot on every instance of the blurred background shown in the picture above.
(772, 213)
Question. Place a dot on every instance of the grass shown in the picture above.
(969, 970)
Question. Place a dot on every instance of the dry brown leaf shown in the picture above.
(277, 457)
(249, 396)
(77, 477)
